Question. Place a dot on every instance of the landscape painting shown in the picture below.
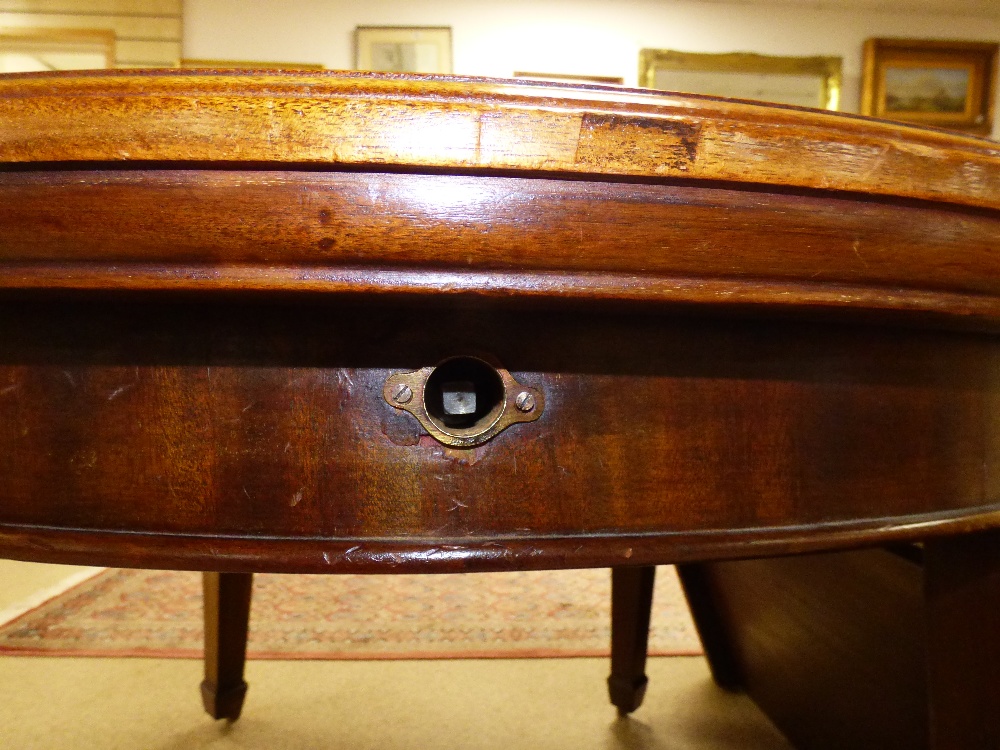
(936, 82)
(911, 89)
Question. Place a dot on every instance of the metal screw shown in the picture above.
(401, 393)
(524, 401)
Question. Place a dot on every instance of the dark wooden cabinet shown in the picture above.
(711, 331)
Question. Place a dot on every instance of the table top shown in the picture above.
(846, 211)
(744, 328)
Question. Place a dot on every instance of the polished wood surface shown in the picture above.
(281, 182)
(753, 331)
(715, 631)
(631, 603)
(748, 353)
(829, 645)
(256, 437)
(227, 618)
(456, 236)
(962, 591)
(458, 123)
(866, 649)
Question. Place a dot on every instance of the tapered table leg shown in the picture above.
(631, 601)
(695, 579)
(227, 615)
(962, 595)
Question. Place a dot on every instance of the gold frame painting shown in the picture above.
(246, 65)
(947, 84)
(734, 74)
(570, 78)
(38, 42)
(403, 49)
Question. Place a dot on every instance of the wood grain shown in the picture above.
(207, 279)
(460, 235)
(961, 587)
(830, 646)
(631, 602)
(758, 330)
(263, 423)
(453, 123)
(870, 649)
(227, 617)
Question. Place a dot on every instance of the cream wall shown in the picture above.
(558, 36)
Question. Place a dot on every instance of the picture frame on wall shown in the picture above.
(210, 64)
(403, 49)
(800, 81)
(25, 50)
(570, 78)
(947, 84)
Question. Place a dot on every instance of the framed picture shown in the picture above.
(947, 84)
(37, 49)
(190, 62)
(403, 49)
(567, 78)
(802, 81)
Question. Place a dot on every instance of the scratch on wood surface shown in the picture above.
(579, 139)
(344, 377)
(297, 497)
(10, 389)
(857, 251)
(479, 138)
(876, 162)
(120, 390)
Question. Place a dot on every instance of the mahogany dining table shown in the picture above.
(278, 321)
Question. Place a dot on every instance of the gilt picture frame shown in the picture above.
(800, 81)
(947, 84)
(222, 64)
(570, 78)
(44, 49)
(403, 49)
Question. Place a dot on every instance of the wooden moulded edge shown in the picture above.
(489, 553)
(441, 123)
(962, 310)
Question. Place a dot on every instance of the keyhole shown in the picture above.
(464, 393)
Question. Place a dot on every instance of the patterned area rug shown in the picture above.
(484, 615)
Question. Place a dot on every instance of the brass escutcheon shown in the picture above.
(464, 401)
